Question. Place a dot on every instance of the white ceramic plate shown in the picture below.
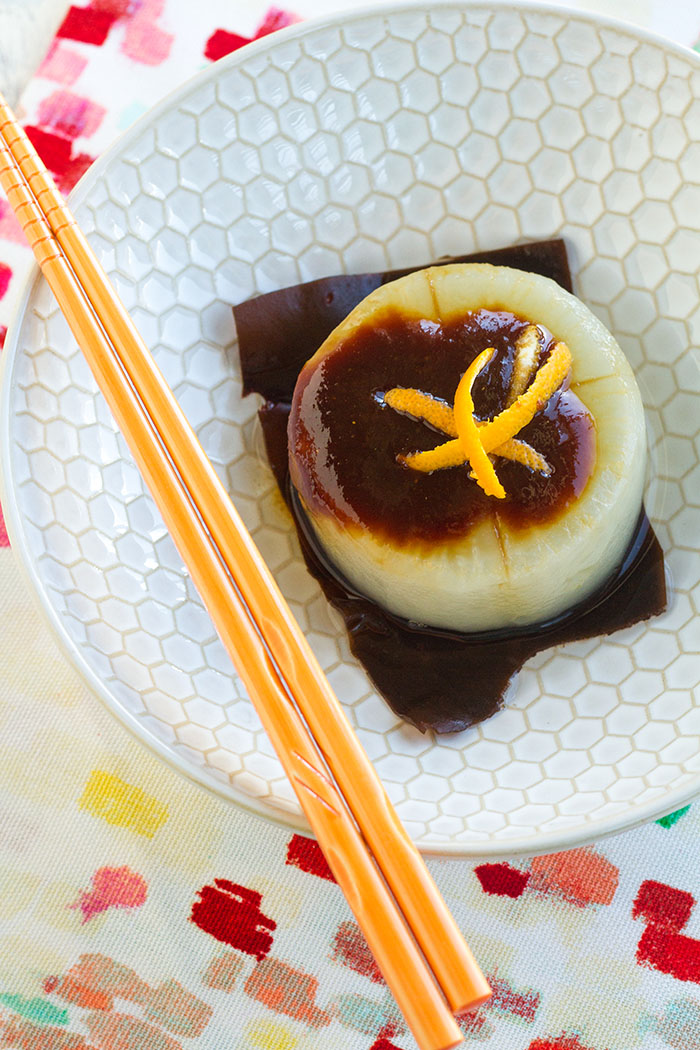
(378, 140)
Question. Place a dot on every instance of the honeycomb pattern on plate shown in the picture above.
(375, 141)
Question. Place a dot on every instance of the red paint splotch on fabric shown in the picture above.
(502, 879)
(663, 905)
(383, 1044)
(306, 854)
(89, 25)
(476, 1024)
(21, 1034)
(523, 1004)
(112, 888)
(561, 1042)
(70, 115)
(56, 151)
(662, 946)
(351, 949)
(62, 64)
(580, 876)
(3, 335)
(221, 42)
(97, 980)
(144, 41)
(232, 914)
(288, 991)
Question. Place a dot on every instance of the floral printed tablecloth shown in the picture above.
(137, 912)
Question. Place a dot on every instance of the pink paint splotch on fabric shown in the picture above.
(62, 64)
(112, 888)
(581, 876)
(144, 40)
(5, 278)
(10, 229)
(288, 991)
(70, 115)
(4, 538)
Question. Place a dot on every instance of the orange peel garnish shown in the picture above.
(469, 434)
(438, 414)
(428, 409)
(512, 419)
(496, 434)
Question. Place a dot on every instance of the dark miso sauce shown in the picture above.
(434, 679)
(345, 438)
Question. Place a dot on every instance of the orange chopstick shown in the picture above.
(404, 968)
(397, 856)
(400, 862)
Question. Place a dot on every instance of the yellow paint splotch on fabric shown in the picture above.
(270, 1035)
(17, 889)
(125, 805)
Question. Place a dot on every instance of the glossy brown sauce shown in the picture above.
(433, 679)
(345, 439)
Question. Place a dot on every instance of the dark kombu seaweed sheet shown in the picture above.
(433, 679)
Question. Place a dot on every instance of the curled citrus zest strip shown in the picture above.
(521, 452)
(422, 406)
(527, 348)
(508, 423)
(438, 414)
(450, 454)
(511, 420)
(469, 434)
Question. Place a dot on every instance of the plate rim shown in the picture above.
(516, 846)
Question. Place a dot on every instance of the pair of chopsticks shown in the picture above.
(418, 947)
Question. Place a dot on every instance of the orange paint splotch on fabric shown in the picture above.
(115, 1031)
(281, 988)
(96, 981)
(222, 972)
(111, 799)
(21, 1034)
(581, 876)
